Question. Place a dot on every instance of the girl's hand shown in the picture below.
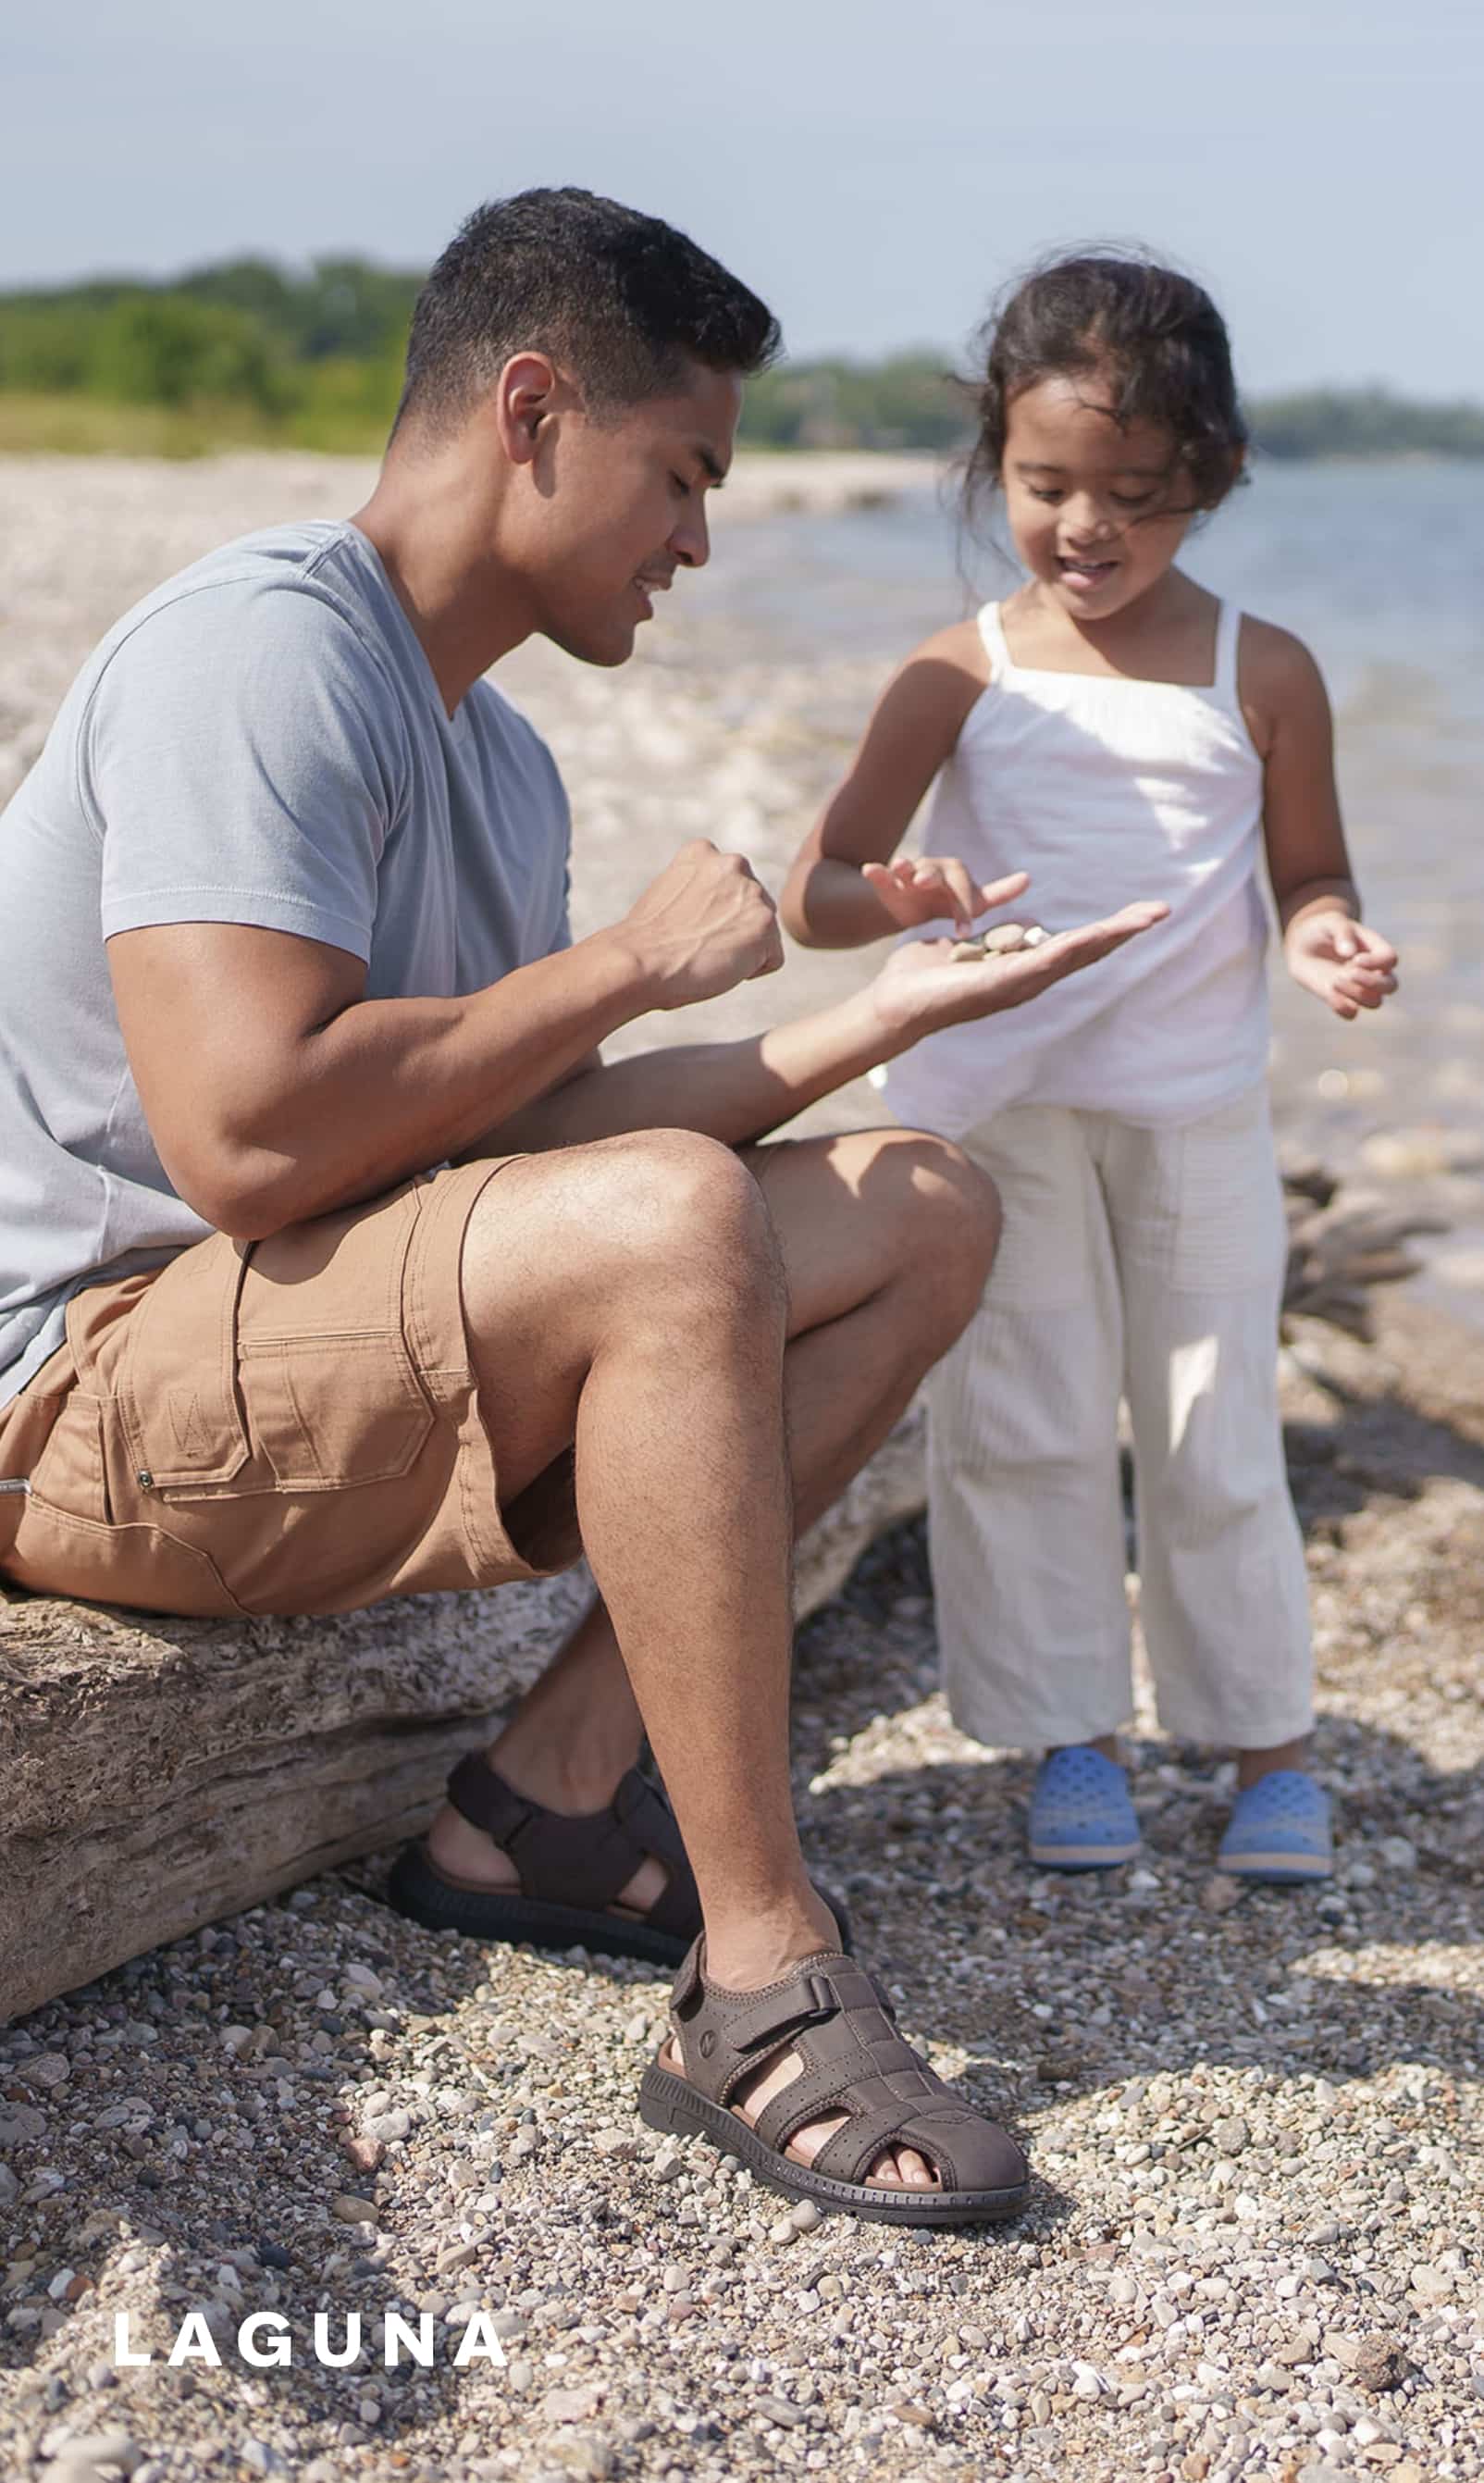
(921, 987)
(1342, 963)
(929, 889)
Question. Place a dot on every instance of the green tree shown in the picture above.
(167, 349)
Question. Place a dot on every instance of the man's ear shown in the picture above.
(525, 397)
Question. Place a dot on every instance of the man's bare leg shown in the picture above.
(887, 1240)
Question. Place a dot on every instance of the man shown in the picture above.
(332, 1258)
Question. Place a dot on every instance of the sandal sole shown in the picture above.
(418, 1890)
(672, 2104)
(422, 1894)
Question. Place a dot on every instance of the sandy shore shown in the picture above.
(1258, 2235)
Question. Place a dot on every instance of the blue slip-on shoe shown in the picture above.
(1081, 1818)
(1279, 1830)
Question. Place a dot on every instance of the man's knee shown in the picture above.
(950, 1221)
(676, 1211)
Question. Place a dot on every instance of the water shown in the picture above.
(1380, 570)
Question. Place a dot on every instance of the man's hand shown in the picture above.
(934, 889)
(1343, 963)
(921, 988)
(704, 927)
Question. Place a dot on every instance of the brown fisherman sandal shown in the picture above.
(834, 2018)
(572, 1871)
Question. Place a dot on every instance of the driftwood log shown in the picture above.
(158, 1774)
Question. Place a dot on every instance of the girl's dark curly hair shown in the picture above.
(1156, 333)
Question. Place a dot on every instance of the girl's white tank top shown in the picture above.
(1106, 790)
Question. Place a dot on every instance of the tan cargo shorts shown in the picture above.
(288, 1425)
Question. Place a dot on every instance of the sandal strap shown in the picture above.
(966, 2151)
(837, 2021)
(830, 2012)
(587, 1860)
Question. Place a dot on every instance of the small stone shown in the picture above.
(784, 2230)
(365, 2153)
(351, 2210)
(83, 2452)
(1229, 2136)
(386, 2125)
(778, 2409)
(1380, 2365)
(262, 2458)
(1220, 1893)
(52, 2070)
(569, 2405)
(805, 2216)
(1397, 1853)
(618, 2144)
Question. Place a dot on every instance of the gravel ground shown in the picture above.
(1255, 2241)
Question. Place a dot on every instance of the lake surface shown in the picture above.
(1380, 570)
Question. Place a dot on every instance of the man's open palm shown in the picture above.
(923, 987)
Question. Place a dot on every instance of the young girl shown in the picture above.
(1121, 734)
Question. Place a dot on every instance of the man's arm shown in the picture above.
(740, 1090)
(275, 1090)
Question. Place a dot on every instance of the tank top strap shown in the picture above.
(1228, 627)
(992, 633)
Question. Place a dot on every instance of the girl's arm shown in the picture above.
(844, 888)
(1329, 949)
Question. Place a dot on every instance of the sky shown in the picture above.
(876, 168)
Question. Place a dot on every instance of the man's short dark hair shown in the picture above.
(622, 301)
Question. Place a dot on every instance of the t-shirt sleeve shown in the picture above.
(557, 931)
(242, 762)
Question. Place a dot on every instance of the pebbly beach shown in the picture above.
(1256, 2246)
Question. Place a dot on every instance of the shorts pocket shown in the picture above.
(327, 1411)
(71, 1472)
(177, 1383)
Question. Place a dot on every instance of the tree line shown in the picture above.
(248, 349)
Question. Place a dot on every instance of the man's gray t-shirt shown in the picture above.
(262, 741)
